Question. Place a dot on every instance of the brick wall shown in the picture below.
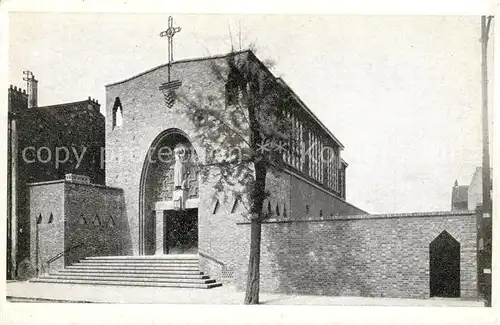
(46, 200)
(69, 223)
(95, 217)
(146, 117)
(368, 255)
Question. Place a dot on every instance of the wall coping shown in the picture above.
(63, 181)
(188, 60)
(373, 216)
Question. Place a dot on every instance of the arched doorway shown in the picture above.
(444, 259)
(161, 222)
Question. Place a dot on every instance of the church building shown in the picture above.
(175, 202)
(151, 121)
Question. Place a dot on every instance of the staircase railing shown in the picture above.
(45, 266)
(213, 259)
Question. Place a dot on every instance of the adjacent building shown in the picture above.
(44, 144)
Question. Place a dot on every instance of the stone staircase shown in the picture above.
(175, 271)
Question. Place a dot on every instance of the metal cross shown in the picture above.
(169, 33)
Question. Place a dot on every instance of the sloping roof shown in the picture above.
(252, 55)
(210, 57)
(73, 123)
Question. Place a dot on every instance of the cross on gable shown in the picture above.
(169, 34)
(168, 88)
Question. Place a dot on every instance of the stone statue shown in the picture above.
(180, 152)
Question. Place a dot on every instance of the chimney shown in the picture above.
(32, 86)
(32, 92)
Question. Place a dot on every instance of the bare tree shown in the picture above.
(253, 130)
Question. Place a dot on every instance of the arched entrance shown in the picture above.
(444, 255)
(168, 198)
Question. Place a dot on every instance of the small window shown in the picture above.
(269, 209)
(235, 205)
(307, 209)
(284, 211)
(277, 209)
(82, 220)
(51, 218)
(117, 113)
(97, 220)
(39, 219)
(216, 207)
(321, 213)
(111, 222)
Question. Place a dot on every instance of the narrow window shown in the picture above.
(235, 205)
(51, 218)
(216, 207)
(117, 113)
(97, 220)
(277, 209)
(39, 219)
(111, 222)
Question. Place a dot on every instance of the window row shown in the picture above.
(314, 155)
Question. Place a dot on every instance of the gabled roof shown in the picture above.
(251, 54)
(210, 57)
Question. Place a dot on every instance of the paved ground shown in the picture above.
(44, 292)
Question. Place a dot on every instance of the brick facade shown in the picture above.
(79, 219)
(145, 117)
(367, 255)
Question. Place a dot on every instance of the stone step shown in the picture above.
(186, 257)
(128, 275)
(128, 267)
(128, 279)
(175, 271)
(133, 283)
(132, 271)
(122, 263)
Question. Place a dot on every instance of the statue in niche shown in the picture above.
(181, 154)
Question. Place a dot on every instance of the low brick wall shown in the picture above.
(95, 219)
(362, 255)
(78, 219)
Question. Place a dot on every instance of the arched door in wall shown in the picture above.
(444, 259)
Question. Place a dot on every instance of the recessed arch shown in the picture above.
(167, 136)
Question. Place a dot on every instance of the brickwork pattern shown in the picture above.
(373, 256)
(95, 217)
(146, 116)
(69, 223)
(46, 200)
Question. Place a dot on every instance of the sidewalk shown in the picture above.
(47, 292)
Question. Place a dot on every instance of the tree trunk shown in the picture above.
(253, 275)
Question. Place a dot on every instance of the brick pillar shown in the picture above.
(159, 231)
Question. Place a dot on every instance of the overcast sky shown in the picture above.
(401, 93)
